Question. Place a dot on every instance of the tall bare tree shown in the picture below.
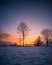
(23, 30)
(47, 34)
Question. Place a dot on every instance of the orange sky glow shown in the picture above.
(9, 37)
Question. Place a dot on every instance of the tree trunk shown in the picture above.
(20, 41)
(23, 41)
(23, 38)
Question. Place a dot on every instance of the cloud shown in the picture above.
(4, 36)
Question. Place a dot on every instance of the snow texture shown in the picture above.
(25, 55)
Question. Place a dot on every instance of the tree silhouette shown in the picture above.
(46, 33)
(37, 41)
(23, 30)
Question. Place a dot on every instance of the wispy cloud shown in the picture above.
(4, 36)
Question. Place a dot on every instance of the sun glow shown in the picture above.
(4, 36)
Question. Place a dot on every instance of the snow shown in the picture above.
(25, 55)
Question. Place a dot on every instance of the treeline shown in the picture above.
(23, 30)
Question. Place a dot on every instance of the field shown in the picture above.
(25, 55)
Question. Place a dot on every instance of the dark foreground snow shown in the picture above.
(26, 55)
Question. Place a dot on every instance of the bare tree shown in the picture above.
(23, 30)
(47, 34)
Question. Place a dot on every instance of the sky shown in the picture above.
(35, 13)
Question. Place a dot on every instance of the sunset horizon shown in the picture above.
(9, 37)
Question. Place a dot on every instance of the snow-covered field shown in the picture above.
(26, 55)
